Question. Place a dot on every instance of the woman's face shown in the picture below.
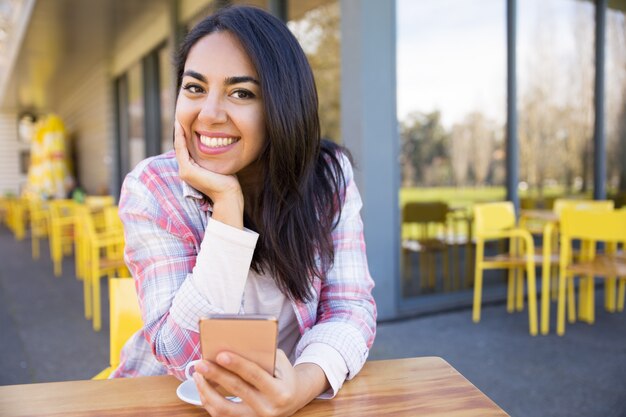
(220, 106)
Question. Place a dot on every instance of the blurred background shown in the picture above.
(449, 103)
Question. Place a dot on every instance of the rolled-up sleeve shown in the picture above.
(180, 275)
(346, 312)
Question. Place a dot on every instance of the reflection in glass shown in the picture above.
(318, 31)
(166, 78)
(615, 91)
(555, 79)
(136, 139)
(451, 79)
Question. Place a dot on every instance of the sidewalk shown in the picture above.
(45, 337)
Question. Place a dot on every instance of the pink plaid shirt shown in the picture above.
(165, 221)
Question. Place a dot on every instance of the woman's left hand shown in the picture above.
(262, 394)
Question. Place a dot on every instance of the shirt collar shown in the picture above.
(201, 199)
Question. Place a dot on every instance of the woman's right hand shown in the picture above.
(223, 190)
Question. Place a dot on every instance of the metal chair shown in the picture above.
(125, 319)
(39, 219)
(425, 226)
(593, 226)
(103, 255)
(496, 221)
(62, 221)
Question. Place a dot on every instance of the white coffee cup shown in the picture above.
(188, 369)
(189, 375)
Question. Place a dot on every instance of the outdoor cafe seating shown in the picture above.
(545, 223)
(497, 221)
(594, 227)
(125, 319)
(431, 228)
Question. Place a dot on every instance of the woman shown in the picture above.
(253, 213)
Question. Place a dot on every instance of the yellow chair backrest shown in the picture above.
(594, 225)
(562, 204)
(494, 217)
(425, 212)
(112, 218)
(125, 315)
(62, 209)
(95, 202)
(84, 219)
(421, 220)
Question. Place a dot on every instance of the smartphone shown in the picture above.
(252, 336)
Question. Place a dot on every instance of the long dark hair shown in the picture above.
(304, 184)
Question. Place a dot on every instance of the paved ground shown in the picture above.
(44, 337)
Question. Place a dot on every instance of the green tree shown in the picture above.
(425, 145)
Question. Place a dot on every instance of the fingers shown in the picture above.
(249, 371)
(180, 146)
(229, 384)
(214, 402)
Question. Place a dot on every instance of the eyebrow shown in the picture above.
(227, 81)
(241, 79)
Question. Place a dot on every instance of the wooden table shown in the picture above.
(402, 387)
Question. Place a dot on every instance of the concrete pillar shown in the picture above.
(369, 128)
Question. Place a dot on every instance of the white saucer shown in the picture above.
(188, 393)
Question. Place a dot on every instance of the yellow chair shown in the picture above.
(545, 223)
(39, 219)
(496, 221)
(96, 206)
(425, 227)
(103, 255)
(62, 221)
(17, 216)
(561, 204)
(4, 209)
(112, 219)
(602, 205)
(593, 226)
(125, 319)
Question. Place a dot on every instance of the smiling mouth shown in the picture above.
(212, 142)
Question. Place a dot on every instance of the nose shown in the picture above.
(213, 111)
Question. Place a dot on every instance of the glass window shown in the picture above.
(316, 25)
(136, 138)
(451, 104)
(615, 90)
(555, 92)
(167, 85)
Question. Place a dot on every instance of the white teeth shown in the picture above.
(217, 142)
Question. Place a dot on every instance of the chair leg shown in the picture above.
(478, 282)
(87, 295)
(432, 268)
(620, 294)
(468, 263)
(609, 294)
(447, 278)
(95, 291)
(510, 291)
(545, 302)
(571, 301)
(560, 309)
(519, 295)
(423, 269)
(591, 303)
(554, 285)
(532, 296)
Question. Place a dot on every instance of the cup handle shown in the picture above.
(188, 371)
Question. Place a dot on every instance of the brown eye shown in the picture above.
(242, 94)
